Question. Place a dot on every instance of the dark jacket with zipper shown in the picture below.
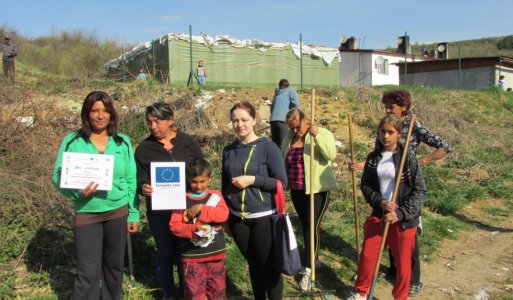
(185, 149)
(412, 188)
(260, 158)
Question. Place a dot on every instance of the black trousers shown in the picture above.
(100, 249)
(254, 238)
(168, 254)
(301, 203)
(278, 132)
(415, 263)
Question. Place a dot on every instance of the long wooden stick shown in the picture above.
(130, 260)
(394, 198)
(312, 207)
(355, 196)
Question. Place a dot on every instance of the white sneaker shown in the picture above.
(305, 284)
(357, 296)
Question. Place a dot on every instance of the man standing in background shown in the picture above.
(285, 98)
(8, 53)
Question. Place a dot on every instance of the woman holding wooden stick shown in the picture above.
(297, 154)
(378, 182)
(398, 103)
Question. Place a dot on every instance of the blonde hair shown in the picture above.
(295, 114)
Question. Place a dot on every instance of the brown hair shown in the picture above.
(401, 98)
(245, 105)
(392, 120)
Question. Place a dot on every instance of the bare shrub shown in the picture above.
(30, 135)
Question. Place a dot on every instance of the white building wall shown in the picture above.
(392, 77)
(360, 69)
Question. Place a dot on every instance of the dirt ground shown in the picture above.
(476, 265)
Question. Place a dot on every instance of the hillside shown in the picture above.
(71, 54)
(486, 46)
(469, 192)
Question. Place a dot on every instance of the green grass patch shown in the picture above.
(448, 193)
(436, 229)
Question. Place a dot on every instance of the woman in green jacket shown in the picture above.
(295, 150)
(102, 218)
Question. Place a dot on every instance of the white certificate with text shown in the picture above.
(168, 182)
(79, 169)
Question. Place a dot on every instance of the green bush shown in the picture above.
(506, 42)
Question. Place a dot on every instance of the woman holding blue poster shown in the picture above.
(165, 144)
(102, 217)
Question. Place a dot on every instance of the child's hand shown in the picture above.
(391, 217)
(388, 206)
(201, 227)
(356, 166)
(193, 211)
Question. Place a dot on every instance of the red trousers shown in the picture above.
(401, 242)
(204, 279)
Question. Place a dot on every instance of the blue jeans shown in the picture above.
(167, 252)
(201, 80)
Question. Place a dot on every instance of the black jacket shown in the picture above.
(412, 189)
(185, 149)
(260, 158)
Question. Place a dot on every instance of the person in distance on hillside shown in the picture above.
(201, 73)
(296, 152)
(377, 185)
(285, 98)
(251, 167)
(501, 82)
(398, 103)
(141, 75)
(102, 217)
(9, 51)
(165, 144)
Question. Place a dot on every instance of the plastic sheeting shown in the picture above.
(231, 61)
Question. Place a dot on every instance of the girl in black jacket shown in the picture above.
(378, 181)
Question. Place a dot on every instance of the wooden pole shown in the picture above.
(312, 158)
(355, 196)
(394, 198)
(130, 260)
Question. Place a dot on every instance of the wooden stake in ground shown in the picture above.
(130, 260)
(394, 198)
(355, 196)
(312, 235)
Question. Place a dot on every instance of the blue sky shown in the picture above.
(376, 24)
